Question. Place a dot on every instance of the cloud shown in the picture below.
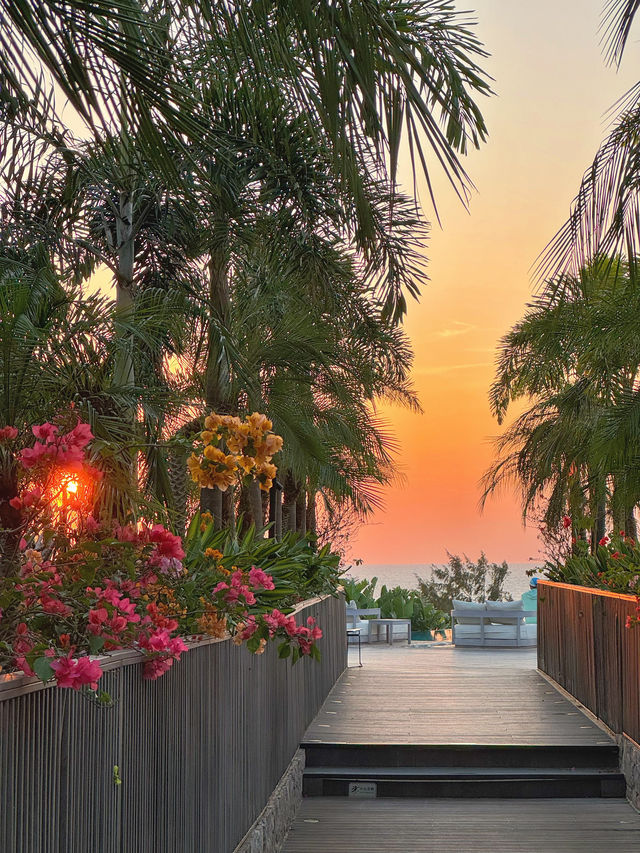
(458, 328)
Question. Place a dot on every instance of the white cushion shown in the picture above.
(473, 607)
(505, 606)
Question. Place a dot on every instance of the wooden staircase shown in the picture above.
(461, 771)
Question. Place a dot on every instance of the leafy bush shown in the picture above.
(362, 592)
(466, 581)
(299, 571)
(614, 566)
(396, 603)
(427, 618)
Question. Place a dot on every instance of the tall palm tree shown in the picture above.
(604, 217)
(566, 356)
(373, 69)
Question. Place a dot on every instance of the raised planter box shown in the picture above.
(185, 763)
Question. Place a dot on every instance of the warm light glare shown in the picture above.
(72, 486)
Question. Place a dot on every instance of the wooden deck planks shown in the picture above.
(450, 696)
(462, 826)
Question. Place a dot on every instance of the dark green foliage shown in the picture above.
(465, 580)
(396, 603)
(299, 571)
(614, 566)
(362, 592)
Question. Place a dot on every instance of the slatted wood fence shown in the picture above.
(180, 765)
(583, 644)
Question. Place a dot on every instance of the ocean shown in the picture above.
(516, 581)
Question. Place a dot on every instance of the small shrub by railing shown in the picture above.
(585, 646)
(185, 763)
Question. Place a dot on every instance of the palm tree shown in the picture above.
(567, 356)
(604, 218)
(366, 70)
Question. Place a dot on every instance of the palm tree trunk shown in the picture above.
(291, 491)
(600, 523)
(124, 372)
(301, 512)
(255, 504)
(217, 371)
(10, 519)
(216, 384)
(311, 512)
(630, 524)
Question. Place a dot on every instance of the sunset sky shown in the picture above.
(545, 123)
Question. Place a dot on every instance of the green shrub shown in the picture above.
(615, 566)
(466, 581)
(299, 570)
(362, 592)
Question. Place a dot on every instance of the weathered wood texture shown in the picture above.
(583, 644)
(198, 752)
(465, 826)
(450, 696)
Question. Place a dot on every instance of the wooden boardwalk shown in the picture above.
(327, 824)
(442, 695)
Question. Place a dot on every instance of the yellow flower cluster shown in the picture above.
(249, 446)
(209, 623)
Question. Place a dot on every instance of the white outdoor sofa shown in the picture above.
(493, 623)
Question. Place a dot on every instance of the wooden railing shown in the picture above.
(184, 764)
(583, 644)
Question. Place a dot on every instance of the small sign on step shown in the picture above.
(368, 790)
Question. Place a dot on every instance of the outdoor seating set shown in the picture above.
(368, 629)
(474, 623)
(493, 623)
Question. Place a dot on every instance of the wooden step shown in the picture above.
(515, 756)
(462, 782)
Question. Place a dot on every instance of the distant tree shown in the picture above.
(464, 580)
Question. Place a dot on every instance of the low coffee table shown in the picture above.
(389, 625)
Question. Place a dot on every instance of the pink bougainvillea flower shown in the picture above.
(91, 525)
(8, 433)
(16, 503)
(167, 544)
(248, 630)
(80, 435)
(604, 540)
(615, 555)
(260, 579)
(76, 672)
(21, 663)
(46, 432)
(156, 667)
(31, 456)
(30, 497)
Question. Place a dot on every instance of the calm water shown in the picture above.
(515, 583)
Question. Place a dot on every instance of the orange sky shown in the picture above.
(545, 125)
